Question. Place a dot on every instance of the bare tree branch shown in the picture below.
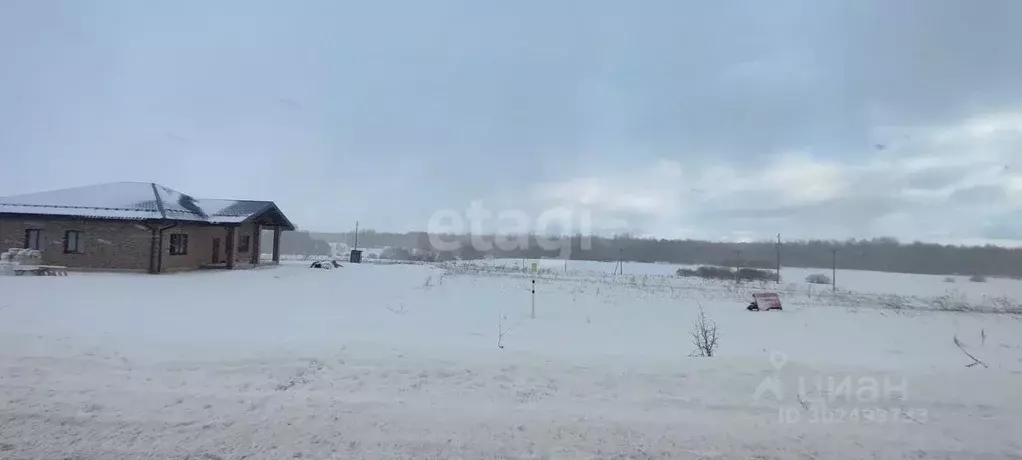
(975, 360)
(704, 336)
(805, 405)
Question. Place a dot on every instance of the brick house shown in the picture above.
(139, 226)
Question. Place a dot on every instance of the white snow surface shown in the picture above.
(130, 200)
(115, 195)
(401, 362)
(848, 281)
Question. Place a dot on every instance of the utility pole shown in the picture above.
(356, 234)
(833, 269)
(738, 266)
(778, 246)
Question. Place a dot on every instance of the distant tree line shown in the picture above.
(297, 242)
(879, 254)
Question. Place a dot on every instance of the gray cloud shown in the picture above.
(979, 195)
(357, 110)
(935, 178)
(1004, 229)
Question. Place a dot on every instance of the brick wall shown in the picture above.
(125, 245)
(200, 246)
(104, 244)
(251, 231)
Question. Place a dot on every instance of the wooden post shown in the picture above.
(276, 244)
(230, 247)
(256, 238)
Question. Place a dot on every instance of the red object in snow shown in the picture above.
(767, 300)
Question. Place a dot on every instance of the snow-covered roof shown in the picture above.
(135, 201)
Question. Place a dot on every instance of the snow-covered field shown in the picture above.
(904, 284)
(402, 361)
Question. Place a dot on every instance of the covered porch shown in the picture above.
(252, 243)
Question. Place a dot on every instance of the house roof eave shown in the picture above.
(271, 206)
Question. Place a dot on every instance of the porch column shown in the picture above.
(230, 247)
(256, 239)
(276, 245)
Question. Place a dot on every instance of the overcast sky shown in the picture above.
(721, 120)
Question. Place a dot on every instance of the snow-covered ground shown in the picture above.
(402, 361)
(848, 280)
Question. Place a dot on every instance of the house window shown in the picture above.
(73, 242)
(33, 239)
(243, 243)
(178, 244)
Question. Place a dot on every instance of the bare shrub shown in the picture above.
(894, 302)
(501, 330)
(723, 273)
(704, 336)
(707, 272)
(978, 278)
(952, 301)
(755, 274)
(818, 278)
(949, 279)
(1005, 304)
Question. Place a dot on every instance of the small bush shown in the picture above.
(978, 279)
(722, 273)
(405, 254)
(1005, 304)
(704, 336)
(818, 278)
(761, 264)
(708, 272)
(951, 301)
(715, 272)
(755, 274)
(949, 279)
